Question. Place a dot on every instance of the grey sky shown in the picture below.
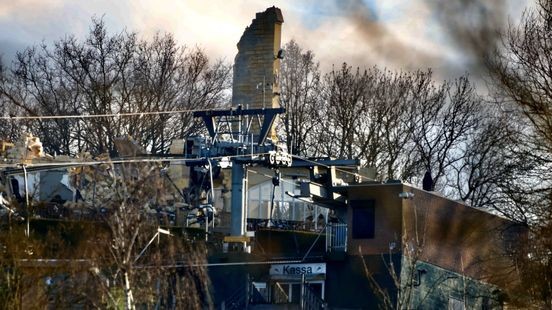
(393, 33)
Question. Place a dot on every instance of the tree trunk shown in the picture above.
(128, 293)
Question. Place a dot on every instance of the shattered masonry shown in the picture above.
(256, 66)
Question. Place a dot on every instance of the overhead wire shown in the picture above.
(104, 115)
(88, 116)
(149, 160)
(176, 265)
(55, 164)
(181, 160)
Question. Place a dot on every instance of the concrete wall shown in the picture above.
(459, 238)
(348, 286)
(388, 214)
(437, 230)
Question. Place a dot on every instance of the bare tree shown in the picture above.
(300, 85)
(520, 69)
(523, 71)
(115, 74)
(123, 257)
(392, 98)
(343, 95)
(168, 78)
(495, 171)
(442, 119)
(9, 130)
(134, 260)
(400, 123)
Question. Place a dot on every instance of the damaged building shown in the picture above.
(303, 233)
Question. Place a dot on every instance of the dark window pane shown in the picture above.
(363, 218)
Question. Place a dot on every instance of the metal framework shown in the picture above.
(238, 122)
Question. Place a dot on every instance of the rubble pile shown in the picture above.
(26, 150)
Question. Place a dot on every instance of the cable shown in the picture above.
(53, 165)
(41, 117)
(220, 264)
(87, 261)
(314, 243)
(118, 161)
(56, 165)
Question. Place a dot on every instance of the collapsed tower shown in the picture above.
(257, 64)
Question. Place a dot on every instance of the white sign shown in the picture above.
(298, 269)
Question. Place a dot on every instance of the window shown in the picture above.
(363, 218)
(285, 207)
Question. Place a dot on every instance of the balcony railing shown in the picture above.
(336, 237)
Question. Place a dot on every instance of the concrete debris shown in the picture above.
(26, 149)
(4, 147)
(179, 173)
(128, 147)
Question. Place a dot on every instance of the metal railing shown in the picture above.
(310, 300)
(237, 300)
(336, 237)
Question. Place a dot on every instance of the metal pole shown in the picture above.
(28, 214)
(328, 239)
(206, 214)
(264, 85)
(247, 290)
(146, 247)
(212, 184)
(303, 291)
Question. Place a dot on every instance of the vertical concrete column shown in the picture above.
(239, 186)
